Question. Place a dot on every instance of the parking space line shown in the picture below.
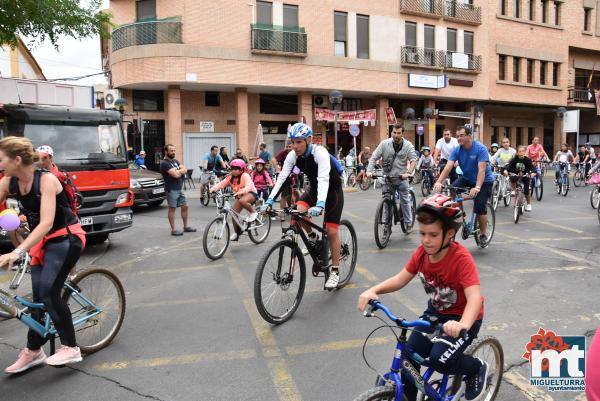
(336, 345)
(178, 360)
(180, 269)
(178, 303)
(522, 384)
(546, 223)
(277, 365)
(350, 286)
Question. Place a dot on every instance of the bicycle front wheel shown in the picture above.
(495, 194)
(381, 393)
(565, 185)
(491, 227)
(539, 188)
(578, 178)
(279, 282)
(216, 238)
(595, 197)
(259, 229)
(425, 187)
(204, 196)
(383, 223)
(97, 307)
(351, 180)
(365, 183)
(348, 253)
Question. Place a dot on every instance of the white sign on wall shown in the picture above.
(426, 81)
(571, 121)
(460, 60)
(207, 126)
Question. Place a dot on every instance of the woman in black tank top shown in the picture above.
(55, 243)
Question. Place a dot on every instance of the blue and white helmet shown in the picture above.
(300, 131)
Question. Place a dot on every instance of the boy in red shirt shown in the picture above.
(449, 275)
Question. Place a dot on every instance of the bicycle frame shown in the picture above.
(296, 230)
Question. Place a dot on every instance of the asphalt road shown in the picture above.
(192, 331)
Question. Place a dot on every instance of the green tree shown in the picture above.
(50, 19)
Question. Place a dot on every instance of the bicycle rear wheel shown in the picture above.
(348, 252)
(279, 282)
(97, 307)
(595, 197)
(216, 238)
(259, 229)
(491, 227)
(381, 393)
(383, 223)
(578, 178)
(204, 196)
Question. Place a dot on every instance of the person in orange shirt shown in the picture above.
(46, 159)
(244, 191)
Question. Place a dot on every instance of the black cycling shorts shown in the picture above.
(334, 204)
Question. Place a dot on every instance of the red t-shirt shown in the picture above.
(446, 280)
(534, 152)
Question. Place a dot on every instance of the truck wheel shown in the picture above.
(97, 238)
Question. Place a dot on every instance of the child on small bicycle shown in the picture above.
(521, 164)
(449, 275)
(425, 163)
(243, 190)
(261, 179)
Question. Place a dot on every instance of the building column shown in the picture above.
(430, 127)
(512, 136)
(174, 134)
(559, 137)
(241, 119)
(509, 68)
(536, 72)
(305, 108)
(382, 124)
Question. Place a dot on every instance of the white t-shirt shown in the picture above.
(563, 157)
(446, 148)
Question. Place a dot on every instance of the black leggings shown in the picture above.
(47, 284)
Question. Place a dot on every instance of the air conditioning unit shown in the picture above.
(110, 97)
(321, 101)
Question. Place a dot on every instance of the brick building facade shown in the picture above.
(507, 65)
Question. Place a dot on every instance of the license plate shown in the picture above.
(86, 221)
(158, 191)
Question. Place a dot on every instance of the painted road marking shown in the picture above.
(180, 269)
(179, 302)
(532, 393)
(336, 345)
(411, 250)
(550, 269)
(357, 217)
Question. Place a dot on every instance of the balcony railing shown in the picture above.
(580, 95)
(462, 61)
(147, 33)
(278, 39)
(428, 8)
(465, 13)
(422, 57)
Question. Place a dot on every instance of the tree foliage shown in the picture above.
(51, 19)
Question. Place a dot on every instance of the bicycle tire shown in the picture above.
(516, 213)
(383, 240)
(539, 189)
(380, 393)
(417, 177)
(253, 233)
(491, 227)
(595, 197)
(276, 275)
(495, 194)
(351, 182)
(205, 196)
(565, 185)
(507, 196)
(88, 283)
(425, 187)
(365, 183)
(578, 180)
(471, 350)
(224, 236)
(348, 251)
(413, 205)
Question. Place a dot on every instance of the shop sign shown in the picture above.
(207, 126)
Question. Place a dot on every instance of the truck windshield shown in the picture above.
(73, 144)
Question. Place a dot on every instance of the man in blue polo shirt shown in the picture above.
(473, 159)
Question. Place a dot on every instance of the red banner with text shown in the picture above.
(359, 115)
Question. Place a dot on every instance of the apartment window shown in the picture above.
(469, 42)
(410, 33)
(556, 13)
(587, 13)
(264, 12)
(340, 27)
(451, 39)
(543, 65)
(529, 71)
(148, 100)
(517, 8)
(278, 104)
(212, 99)
(429, 37)
(502, 7)
(530, 134)
(516, 69)
(351, 104)
(545, 11)
(290, 15)
(532, 10)
(555, 73)
(501, 67)
(362, 36)
(145, 10)
(494, 134)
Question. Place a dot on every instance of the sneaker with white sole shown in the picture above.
(64, 356)
(477, 383)
(251, 217)
(234, 237)
(528, 207)
(26, 360)
(332, 281)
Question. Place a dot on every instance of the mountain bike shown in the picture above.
(579, 175)
(215, 240)
(389, 386)
(281, 273)
(562, 184)
(471, 227)
(537, 183)
(426, 181)
(95, 297)
(519, 200)
(388, 212)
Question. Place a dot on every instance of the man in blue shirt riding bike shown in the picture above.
(324, 193)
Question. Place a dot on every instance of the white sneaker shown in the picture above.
(332, 281)
(234, 237)
(251, 217)
(528, 207)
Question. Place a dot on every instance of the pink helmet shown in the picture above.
(259, 161)
(239, 163)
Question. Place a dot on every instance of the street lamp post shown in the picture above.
(335, 98)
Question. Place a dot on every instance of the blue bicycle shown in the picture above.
(537, 183)
(471, 227)
(95, 297)
(389, 386)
